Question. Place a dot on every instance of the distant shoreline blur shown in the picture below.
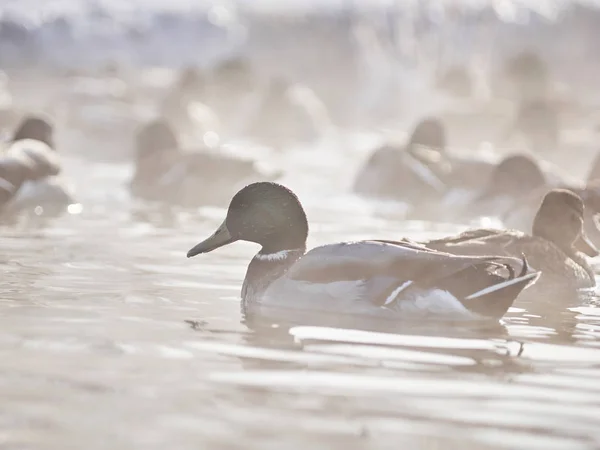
(71, 33)
(327, 48)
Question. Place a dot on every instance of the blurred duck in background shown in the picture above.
(422, 173)
(233, 94)
(526, 77)
(514, 177)
(184, 106)
(557, 245)
(287, 116)
(469, 111)
(46, 194)
(455, 81)
(537, 125)
(543, 109)
(522, 213)
(413, 172)
(189, 86)
(164, 172)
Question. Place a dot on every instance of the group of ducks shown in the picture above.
(477, 274)
(474, 275)
(231, 102)
(166, 173)
(438, 184)
(274, 114)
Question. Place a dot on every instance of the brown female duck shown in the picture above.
(165, 172)
(557, 245)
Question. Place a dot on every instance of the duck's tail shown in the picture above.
(499, 294)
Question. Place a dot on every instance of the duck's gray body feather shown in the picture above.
(389, 280)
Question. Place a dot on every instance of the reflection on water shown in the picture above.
(111, 338)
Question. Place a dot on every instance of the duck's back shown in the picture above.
(335, 281)
(211, 179)
(392, 173)
(556, 266)
(559, 270)
(358, 278)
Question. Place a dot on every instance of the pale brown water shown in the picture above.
(95, 350)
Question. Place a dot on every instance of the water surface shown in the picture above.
(111, 338)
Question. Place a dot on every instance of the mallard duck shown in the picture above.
(528, 75)
(514, 177)
(418, 167)
(233, 93)
(538, 123)
(521, 210)
(557, 245)
(280, 120)
(383, 279)
(183, 105)
(166, 173)
(456, 81)
(425, 169)
(34, 141)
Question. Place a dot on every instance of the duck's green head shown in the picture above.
(266, 213)
(560, 220)
(37, 128)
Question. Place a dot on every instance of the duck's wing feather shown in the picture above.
(469, 235)
(391, 280)
(405, 261)
(479, 242)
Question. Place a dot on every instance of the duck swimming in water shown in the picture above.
(424, 169)
(184, 107)
(514, 177)
(537, 123)
(518, 187)
(456, 81)
(34, 139)
(557, 246)
(417, 168)
(377, 279)
(281, 120)
(166, 173)
(528, 76)
(232, 93)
